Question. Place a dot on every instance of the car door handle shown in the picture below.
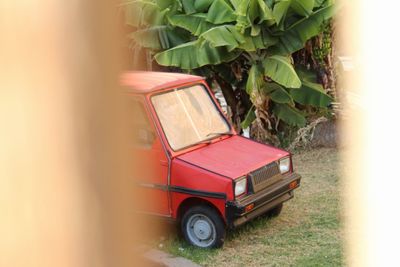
(164, 162)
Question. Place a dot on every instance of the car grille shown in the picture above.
(265, 176)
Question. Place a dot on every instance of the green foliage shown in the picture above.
(202, 5)
(302, 7)
(159, 37)
(188, 6)
(289, 114)
(220, 12)
(183, 55)
(321, 51)
(280, 10)
(250, 117)
(278, 94)
(311, 94)
(295, 36)
(255, 80)
(280, 70)
(194, 34)
(225, 35)
(196, 24)
(251, 14)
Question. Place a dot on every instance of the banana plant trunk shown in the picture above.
(231, 100)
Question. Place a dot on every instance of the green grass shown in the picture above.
(307, 233)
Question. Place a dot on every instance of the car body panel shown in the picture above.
(144, 82)
(233, 157)
(189, 181)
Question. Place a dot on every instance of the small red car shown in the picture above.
(196, 168)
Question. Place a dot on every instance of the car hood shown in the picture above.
(233, 157)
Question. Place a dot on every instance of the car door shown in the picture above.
(150, 162)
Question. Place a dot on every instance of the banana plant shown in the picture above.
(193, 34)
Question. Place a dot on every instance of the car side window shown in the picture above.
(143, 132)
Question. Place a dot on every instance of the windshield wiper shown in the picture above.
(209, 141)
(227, 133)
(204, 142)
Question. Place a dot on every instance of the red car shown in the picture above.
(196, 168)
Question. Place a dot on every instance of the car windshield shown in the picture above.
(189, 116)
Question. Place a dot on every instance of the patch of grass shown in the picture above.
(307, 233)
(179, 247)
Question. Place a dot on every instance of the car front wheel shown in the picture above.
(203, 227)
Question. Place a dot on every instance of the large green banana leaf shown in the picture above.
(310, 27)
(280, 70)
(280, 10)
(278, 94)
(202, 5)
(220, 12)
(172, 5)
(261, 41)
(294, 38)
(255, 79)
(225, 35)
(141, 13)
(251, 13)
(188, 6)
(250, 117)
(251, 44)
(303, 7)
(236, 3)
(305, 74)
(254, 10)
(195, 54)
(311, 94)
(160, 37)
(323, 3)
(195, 23)
(289, 114)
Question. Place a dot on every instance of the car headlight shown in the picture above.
(284, 165)
(240, 187)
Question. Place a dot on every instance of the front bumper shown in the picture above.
(263, 201)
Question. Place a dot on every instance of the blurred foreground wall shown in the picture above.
(371, 184)
(65, 188)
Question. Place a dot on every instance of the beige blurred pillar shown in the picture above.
(64, 186)
(372, 181)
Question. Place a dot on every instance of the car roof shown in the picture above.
(150, 81)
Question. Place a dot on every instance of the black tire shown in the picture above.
(203, 227)
(274, 212)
